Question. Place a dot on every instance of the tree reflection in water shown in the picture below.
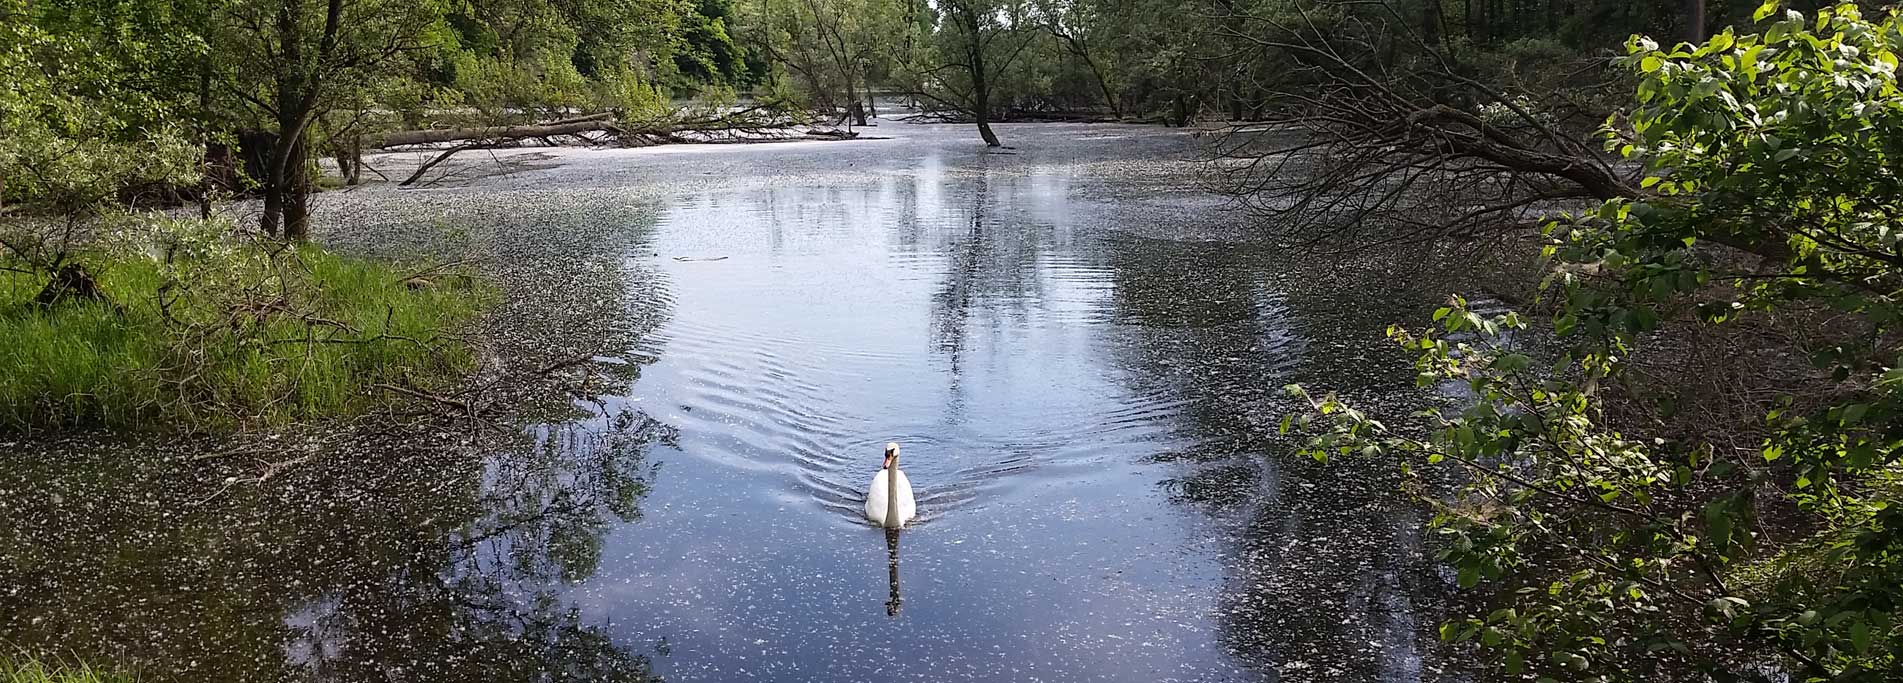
(390, 563)
(1325, 577)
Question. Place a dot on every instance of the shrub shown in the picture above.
(1771, 187)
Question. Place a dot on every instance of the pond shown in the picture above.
(1080, 351)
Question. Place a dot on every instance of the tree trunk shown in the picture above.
(342, 156)
(297, 198)
(1695, 21)
(1430, 22)
(348, 150)
(289, 77)
(981, 92)
(204, 138)
(1103, 83)
(854, 108)
(273, 204)
(1477, 21)
(279, 182)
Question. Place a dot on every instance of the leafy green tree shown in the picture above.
(972, 45)
(1771, 189)
(708, 53)
(82, 127)
(291, 61)
(834, 49)
(1080, 29)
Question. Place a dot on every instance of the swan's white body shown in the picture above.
(890, 494)
(876, 498)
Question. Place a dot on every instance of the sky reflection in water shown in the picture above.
(1088, 405)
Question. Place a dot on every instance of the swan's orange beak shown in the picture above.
(888, 461)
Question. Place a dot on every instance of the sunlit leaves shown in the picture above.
(1769, 186)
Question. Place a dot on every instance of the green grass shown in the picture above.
(247, 337)
(23, 669)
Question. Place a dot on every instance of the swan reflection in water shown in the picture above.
(892, 572)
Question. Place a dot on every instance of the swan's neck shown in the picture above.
(892, 520)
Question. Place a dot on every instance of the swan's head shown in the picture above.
(891, 454)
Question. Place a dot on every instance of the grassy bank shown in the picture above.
(224, 334)
(21, 669)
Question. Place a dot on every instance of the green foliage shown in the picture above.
(25, 669)
(630, 97)
(545, 82)
(51, 173)
(1771, 163)
(95, 68)
(707, 53)
(507, 55)
(833, 51)
(206, 331)
(76, 126)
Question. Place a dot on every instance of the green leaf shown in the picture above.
(1718, 523)
(1767, 9)
(1512, 362)
(1854, 413)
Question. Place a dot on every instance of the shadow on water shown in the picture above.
(391, 555)
(424, 566)
(1325, 578)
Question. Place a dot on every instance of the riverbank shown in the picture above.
(187, 326)
(18, 669)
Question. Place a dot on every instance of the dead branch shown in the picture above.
(440, 158)
(566, 127)
(464, 407)
(1363, 148)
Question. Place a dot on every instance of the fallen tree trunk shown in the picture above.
(575, 126)
(763, 123)
(833, 133)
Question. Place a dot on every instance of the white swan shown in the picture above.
(890, 511)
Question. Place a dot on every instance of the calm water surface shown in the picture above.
(1081, 362)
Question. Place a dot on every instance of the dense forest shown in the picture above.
(264, 88)
(1691, 478)
(282, 83)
